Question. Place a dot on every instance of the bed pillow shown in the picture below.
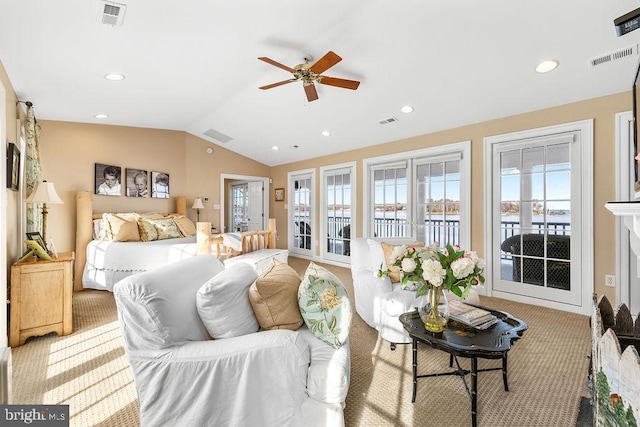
(388, 248)
(274, 297)
(166, 228)
(148, 232)
(120, 227)
(186, 227)
(223, 303)
(324, 305)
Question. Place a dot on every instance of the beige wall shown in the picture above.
(602, 110)
(69, 152)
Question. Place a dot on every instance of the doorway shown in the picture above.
(255, 216)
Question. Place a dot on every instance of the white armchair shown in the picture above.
(378, 301)
(183, 377)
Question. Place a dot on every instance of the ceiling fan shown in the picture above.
(309, 74)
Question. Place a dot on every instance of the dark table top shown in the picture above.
(465, 341)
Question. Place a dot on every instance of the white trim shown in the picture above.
(3, 222)
(342, 168)
(463, 148)
(624, 123)
(265, 182)
(314, 233)
(585, 128)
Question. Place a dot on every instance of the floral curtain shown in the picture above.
(33, 169)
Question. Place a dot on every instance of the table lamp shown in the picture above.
(44, 193)
(197, 205)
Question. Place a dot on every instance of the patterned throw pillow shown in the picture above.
(395, 270)
(147, 231)
(166, 228)
(324, 304)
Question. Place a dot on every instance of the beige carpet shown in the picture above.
(547, 372)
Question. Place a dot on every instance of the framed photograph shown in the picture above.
(279, 192)
(37, 237)
(13, 167)
(137, 183)
(160, 185)
(107, 180)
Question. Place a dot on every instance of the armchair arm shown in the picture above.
(369, 292)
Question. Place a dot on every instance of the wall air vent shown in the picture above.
(111, 13)
(218, 136)
(388, 120)
(613, 56)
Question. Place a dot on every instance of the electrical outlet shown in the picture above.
(610, 281)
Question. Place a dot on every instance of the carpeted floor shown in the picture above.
(547, 372)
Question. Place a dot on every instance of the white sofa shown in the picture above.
(378, 301)
(183, 377)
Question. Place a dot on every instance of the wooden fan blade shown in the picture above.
(284, 82)
(332, 81)
(312, 93)
(277, 64)
(326, 62)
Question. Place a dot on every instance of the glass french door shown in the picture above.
(338, 208)
(301, 200)
(538, 191)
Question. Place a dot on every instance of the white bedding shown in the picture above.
(109, 262)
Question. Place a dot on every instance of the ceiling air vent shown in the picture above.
(389, 120)
(218, 136)
(111, 13)
(612, 56)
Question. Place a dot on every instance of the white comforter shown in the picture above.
(110, 262)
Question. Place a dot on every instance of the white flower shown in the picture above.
(408, 265)
(398, 253)
(473, 256)
(462, 267)
(433, 272)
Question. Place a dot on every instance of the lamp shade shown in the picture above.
(197, 204)
(45, 192)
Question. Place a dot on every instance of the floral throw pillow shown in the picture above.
(166, 228)
(324, 305)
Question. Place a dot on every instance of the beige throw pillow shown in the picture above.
(185, 225)
(121, 227)
(274, 298)
(395, 275)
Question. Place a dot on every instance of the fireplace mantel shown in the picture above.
(630, 212)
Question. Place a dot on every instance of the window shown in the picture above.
(338, 211)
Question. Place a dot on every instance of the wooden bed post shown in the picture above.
(181, 205)
(272, 233)
(84, 233)
(203, 238)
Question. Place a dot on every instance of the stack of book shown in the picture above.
(475, 317)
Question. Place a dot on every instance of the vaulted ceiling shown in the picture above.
(192, 65)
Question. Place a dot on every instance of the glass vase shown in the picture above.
(433, 308)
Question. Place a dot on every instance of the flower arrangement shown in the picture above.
(452, 268)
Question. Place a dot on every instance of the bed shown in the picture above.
(100, 264)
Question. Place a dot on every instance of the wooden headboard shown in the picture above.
(84, 229)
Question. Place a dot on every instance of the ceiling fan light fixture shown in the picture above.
(325, 133)
(547, 65)
(406, 109)
(114, 77)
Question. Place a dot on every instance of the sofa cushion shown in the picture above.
(274, 297)
(388, 249)
(324, 304)
(223, 302)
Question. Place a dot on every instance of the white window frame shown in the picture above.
(585, 128)
(463, 148)
(324, 172)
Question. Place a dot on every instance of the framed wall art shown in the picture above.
(107, 180)
(279, 194)
(13, 167)
(137, 183)
(160, 185)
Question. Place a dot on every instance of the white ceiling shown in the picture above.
(192, 65)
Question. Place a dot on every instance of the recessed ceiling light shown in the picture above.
(275, 148)
(101, 116)
(547, 65)
(325, 133)
(114, 77)
(407, 109)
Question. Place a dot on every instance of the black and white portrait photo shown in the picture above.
(107, 180)
(160, 185)
(137, 184)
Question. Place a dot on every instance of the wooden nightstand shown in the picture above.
(41, 294)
